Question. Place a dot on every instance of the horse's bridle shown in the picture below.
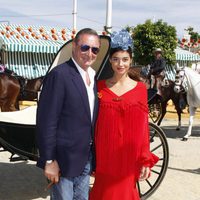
(179, 80)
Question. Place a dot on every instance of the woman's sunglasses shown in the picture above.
(85, 48)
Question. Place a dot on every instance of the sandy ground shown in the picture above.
(182, 180)
(22, 180)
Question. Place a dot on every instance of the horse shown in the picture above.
(9, 91)
(179, 101)
(188, 79)
(166, 93)
(29, 88)
(14, 88)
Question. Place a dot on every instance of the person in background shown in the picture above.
(157, 70)
(122, 130)
(3, 69)
(65, 120)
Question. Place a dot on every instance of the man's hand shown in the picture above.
(52, 171)
(145, 173)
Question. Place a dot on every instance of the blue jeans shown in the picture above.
(75, 188)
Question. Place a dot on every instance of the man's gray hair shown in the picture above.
(88, 31)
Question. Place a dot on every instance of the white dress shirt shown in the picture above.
(89, 88)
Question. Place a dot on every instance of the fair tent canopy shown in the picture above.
(37, 39)
(185, 55)
(29, 50)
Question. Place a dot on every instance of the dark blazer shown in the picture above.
(157, 66)
(63, 122)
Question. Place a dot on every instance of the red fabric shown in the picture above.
(122, 143)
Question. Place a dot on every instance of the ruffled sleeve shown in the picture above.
(147, 159)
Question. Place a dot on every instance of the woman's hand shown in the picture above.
(145, 173)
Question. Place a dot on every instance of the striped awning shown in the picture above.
(29, 50)
(29, 65)
(185, 55)
(170, 72)
(37, 39)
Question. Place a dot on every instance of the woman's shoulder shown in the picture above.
(141, 90)
(141, 85)
(101, 81)
(101, 84)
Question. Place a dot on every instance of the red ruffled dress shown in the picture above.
(122, 143)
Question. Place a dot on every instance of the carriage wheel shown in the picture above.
(155, 111)
(158, 146)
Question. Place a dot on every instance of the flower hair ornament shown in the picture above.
(121, 39)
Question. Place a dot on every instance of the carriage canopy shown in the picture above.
(29, 50)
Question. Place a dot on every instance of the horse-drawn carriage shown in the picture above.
(18, 128)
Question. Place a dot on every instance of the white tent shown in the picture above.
(29, 50)
(186, 58)
(185, 55)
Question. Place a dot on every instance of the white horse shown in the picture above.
(196, 67)
(188, 79)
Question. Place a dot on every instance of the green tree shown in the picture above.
(148, 36)
(194, 35)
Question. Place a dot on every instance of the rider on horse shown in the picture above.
(157, 70)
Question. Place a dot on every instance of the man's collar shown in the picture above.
(81, 70)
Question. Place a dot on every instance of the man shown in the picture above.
(66, 114)
(157, 69)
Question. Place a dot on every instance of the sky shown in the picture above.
(92, 13)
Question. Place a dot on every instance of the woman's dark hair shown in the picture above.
(114, 50)
(133, 74)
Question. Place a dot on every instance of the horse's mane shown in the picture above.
(193, 76)
(193, 72)
(193, 95)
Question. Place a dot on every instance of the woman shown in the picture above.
(122, 133)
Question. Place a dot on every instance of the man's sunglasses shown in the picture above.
(85, 48)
